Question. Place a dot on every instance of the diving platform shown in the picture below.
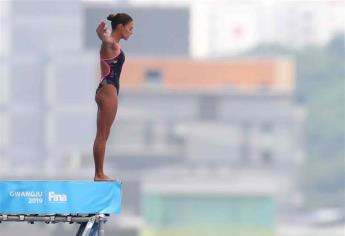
(87, 203)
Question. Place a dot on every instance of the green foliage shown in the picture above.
(321, 75)
(320, 86)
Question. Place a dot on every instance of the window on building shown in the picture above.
(267, 127)
(265, 86)
(208, 107)
(245, 146)
(4, 130)
(267, 156)
(153, 77)
(4, 83)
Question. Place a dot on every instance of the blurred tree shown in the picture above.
(321, 79)
(320, 85)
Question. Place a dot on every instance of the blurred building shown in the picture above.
(204, 29)
(231, 27)
(207, 133)
(301, 24)
(209, 75)
(215, 136)
(210, 205)
(4, 80)
(45, 27)
(38, 32)
(158, 30)
(4, 27)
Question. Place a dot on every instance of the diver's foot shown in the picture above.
(103, 178)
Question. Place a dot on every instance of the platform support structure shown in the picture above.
(90, 225)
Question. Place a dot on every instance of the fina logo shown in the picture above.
(54, 197)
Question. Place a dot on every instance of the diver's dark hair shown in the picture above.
(119, 18)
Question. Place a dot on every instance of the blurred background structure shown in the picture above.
(230, 120)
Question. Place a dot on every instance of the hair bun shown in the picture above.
(111, 17)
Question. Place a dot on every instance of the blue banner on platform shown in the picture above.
(59, 197)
